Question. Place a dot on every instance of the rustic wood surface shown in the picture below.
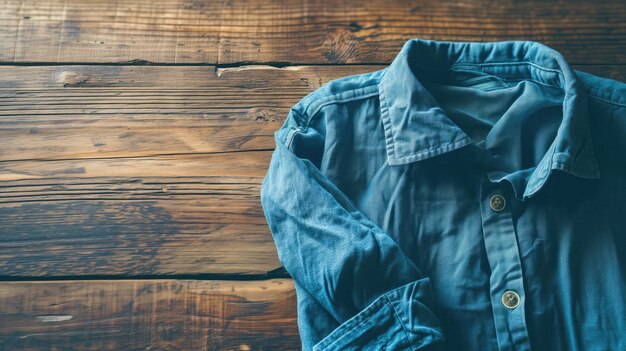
(134, 137)
(148, 315)
(67, 112)
(310, 31)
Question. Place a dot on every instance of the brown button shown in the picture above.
(497, 203)
(510, 299)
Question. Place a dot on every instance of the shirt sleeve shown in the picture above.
(351, 268)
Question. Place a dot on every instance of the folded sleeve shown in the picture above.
(371, 294)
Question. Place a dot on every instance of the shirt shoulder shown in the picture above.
(606, 103)
(603, 90)
(337, 91)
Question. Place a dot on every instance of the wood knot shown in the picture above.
(354, 27)
(262, 115)
(72, 79)
(342, 46)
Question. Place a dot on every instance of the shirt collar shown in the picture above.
(407, 107)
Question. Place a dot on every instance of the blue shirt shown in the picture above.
(470, 196)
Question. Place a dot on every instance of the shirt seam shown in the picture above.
(591, 94)
(478, 65)
(602, 99)
(567, 166)
(359, 93)
(431, 151)
(355, 324)
(544, 179)
(563, 166)
(387, 128)
(505, 63)
(290, 135)
(406, 333)
(292, 130)
(596, 92)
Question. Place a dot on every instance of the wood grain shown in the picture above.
(65, 112)
(114, 111)
(311, 31)
(148, 315)
(183, 214)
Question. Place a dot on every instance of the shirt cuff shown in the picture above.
(396, 320)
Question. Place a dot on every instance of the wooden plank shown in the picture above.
(155, 215)
(311, 31)
(63, 112)
(114, 111)
(615, 72)
(148, 315)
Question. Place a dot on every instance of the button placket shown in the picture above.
(506, 281)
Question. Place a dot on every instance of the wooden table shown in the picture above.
(134, 136)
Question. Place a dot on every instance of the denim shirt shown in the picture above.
(470, 196)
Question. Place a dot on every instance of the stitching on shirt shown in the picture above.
(576, 171)
(433, 150)
(592, 91)
(564, 166)
(599, 95)
(504, 63)
(307, 103)
(544, 179)
(494, 304)
(352, 324)
(479, 65)
(534, 81)
(592, 94)
(603, 99)
(359, 93)
(291, 135)
(387, 128)
(406, 333)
